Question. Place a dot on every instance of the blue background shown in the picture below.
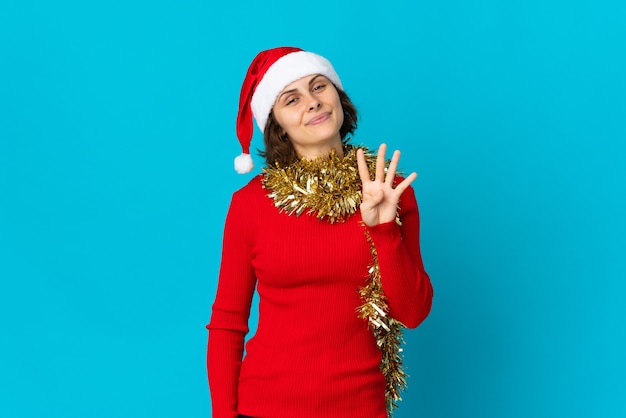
(116, 145)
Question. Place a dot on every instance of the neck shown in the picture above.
(320, 150)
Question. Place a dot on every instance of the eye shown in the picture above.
(291, 100)
(319, 86)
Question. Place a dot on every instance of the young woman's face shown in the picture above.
(310, 112)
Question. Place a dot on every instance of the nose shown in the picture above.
(314, 103)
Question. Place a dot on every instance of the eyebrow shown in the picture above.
(311, 81)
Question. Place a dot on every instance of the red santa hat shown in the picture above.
(267, 76)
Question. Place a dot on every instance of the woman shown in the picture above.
(330, 240)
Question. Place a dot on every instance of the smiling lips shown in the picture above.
(319, 119)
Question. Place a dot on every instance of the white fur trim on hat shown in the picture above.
(243, 163)
(285, 71)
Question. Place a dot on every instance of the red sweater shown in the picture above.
(311, 356)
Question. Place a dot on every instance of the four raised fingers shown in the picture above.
(387, 177)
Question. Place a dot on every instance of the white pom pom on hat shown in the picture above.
(268, 74)
(243, 163)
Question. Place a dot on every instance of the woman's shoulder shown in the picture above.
(251, 204)
(253, 190)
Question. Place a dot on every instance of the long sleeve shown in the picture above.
(405, 281)
(229, 320)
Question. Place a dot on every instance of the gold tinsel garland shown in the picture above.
(330, 188)
(388, 331)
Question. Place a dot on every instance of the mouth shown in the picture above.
(319, 119)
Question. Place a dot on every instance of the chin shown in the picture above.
(326, 133)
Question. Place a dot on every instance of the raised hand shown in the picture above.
(380, 199)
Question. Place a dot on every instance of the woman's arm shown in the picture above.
(231, 309)
(405, 282)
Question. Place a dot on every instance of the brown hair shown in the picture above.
(278, 147)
